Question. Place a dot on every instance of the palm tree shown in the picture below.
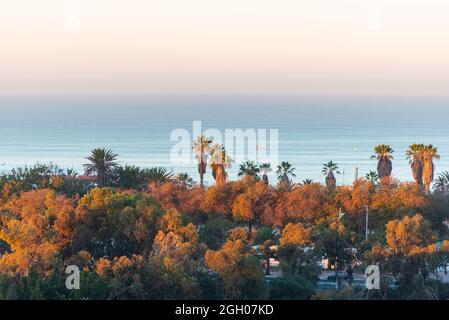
(429, 154)
(284, 171)
(306, 182)
(102, 162)
(250, 169)
(157, 175)
(184, 179)
(383, 154)
(442, 183)
(328, 170)
(128, 177)
(415, 155)
(372, 176)
(219, 162)
(265, 168)
(267, 238)
(201, 147)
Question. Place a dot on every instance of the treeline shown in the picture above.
(171, 239)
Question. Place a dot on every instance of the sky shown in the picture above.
(224, 46)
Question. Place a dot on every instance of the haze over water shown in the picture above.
(312, 129)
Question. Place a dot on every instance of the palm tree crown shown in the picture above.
(330, 167)
(101, 163)
(372, 176)
(219, 162)
(249, 168)
(442, 182)
(328, 170)
(284, 170)
(157, 175)
(383, 153)
(184, 179)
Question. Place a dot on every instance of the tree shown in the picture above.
(429, 154)
(415, 155)
(383, 154)
(295, 234)
(266, 239)
(334, 243)
(113, 224)
(285, 171)
(239, 269)
(215, 231)
(265, 169)
(407, 234)
(250, 169)
(441, 184)
(307, 204)
(291, 287)
(38, 228)
(201, 147)
(372, 176)
(306, 182)
(157, 175)
(184, 179)
(328, 170)
(102, 163)
(128, 177)
(219, 163)
(256, 205)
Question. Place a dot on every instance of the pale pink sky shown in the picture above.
(224, 46)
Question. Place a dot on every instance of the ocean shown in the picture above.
(312, 130)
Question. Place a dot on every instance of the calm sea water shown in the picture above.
(312, 129)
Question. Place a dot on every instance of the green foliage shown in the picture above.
(346, 294)
(215, 231)
(291, 288)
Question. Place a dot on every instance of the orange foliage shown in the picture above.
(39, 226)
(295, 234)
(409, 234)
(306, 204)
(255, 205)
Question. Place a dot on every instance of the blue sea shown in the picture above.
(62, 129)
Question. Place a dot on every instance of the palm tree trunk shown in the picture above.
(201, 171)
(417, 169)
(331, 182)
(101, 179)
(428, 174)
(267, 265)
(220, 175)
(265, 179)
(384, 168)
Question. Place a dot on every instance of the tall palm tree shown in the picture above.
(372, 176)
(442, 183)
(265, 169)
(383, 154)
(219, 162)
(415, 154)
(102, 163)
(201, 147)
(249, 168)
(284, 171)
(429, 154)
(328, 170)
